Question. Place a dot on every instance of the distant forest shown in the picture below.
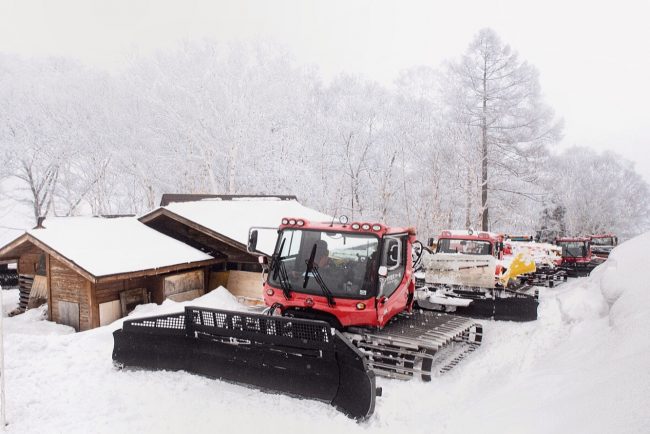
(467, 144)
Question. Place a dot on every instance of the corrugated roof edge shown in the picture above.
(168, 198)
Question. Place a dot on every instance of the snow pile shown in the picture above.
(219, 298)
(542, 253)
(581, 368)
(104, 246)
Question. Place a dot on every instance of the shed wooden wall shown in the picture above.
(28, 261)
(68, 285)
(110, 291)
(247, 286)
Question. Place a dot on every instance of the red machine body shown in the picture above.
(575, 250)
(375, 309)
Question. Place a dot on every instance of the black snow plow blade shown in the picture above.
(546, 276)
(496, 304)
(580, 269)
(519, 308)
(301, 358)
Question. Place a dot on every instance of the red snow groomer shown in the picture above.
(340, 310)
(602, 245)
(469, 275)
(577, 257)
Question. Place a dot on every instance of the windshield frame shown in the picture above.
(313, 288)
(482, 241)
(565, 250)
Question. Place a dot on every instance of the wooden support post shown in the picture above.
(48, 272)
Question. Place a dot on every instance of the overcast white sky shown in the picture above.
(593, 57)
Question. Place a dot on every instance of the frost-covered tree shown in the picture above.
(499, 96)
(211, 118)
(600, 193)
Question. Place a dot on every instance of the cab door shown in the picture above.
(392, 296)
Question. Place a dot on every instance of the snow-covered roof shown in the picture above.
(233, 218)
(108, 246)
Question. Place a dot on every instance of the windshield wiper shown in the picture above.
(280, 272)
(313, 269)
(323, 287)
(285, 284)
(310, 266)
(276, 259)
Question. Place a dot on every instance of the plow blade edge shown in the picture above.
(301, 358)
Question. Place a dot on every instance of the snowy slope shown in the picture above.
(581, 368)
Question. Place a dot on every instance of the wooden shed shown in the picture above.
(92, 271)
(218, 225)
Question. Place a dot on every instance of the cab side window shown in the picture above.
(394, 259)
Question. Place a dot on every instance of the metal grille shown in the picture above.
(303, 330)
(172, 322)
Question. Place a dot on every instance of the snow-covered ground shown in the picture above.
(583, 367)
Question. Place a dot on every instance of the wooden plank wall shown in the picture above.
(28, 262)
(67, 285)
(247, 286)
(110, 291)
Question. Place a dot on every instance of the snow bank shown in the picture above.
(586, 366)
(219, 298)
(581, 368)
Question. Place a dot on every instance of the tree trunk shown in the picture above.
(468, 197)
(484, 157)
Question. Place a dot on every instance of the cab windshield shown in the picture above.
(468, 247)
(573, 249)
(347, 263)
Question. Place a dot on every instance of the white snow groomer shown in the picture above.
(547, 257)
(602, 244)
(469, 275)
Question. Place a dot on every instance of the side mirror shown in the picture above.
(430, 242)
(383, 271)
(252, 241)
